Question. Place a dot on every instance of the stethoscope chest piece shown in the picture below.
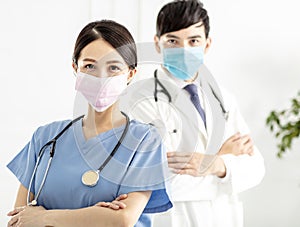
(90, 178)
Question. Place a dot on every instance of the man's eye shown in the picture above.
(195, 42)
(172, 41)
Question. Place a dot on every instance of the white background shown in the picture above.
(255, 54)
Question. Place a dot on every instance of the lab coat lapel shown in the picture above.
(208, 114)
(182, 101)
(215, 118)
(189, 111)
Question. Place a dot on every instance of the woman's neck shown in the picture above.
(95, 123)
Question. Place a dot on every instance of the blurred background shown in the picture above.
(255, 54)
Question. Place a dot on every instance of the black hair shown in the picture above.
(113, 33)
(181, 14)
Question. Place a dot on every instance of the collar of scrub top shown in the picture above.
(88, 182)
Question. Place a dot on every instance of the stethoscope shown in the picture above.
(89, 178)
(166, 93)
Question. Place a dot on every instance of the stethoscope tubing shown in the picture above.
(166, 92)
(40, 154)
(52, 151)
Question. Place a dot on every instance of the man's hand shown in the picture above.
(196, 164)
(114, 205)
(237, 145)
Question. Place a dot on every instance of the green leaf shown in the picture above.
(285, 132)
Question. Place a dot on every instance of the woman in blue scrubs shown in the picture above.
(89, 172)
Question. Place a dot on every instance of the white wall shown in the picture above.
(255, 55)
(37, 84)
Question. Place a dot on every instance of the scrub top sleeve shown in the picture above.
(23, 163)
(148, 171)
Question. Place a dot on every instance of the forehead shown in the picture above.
(100, 50)
(193, 30)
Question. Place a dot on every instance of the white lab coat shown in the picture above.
(198, 201)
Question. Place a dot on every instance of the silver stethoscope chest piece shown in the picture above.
(90, 178)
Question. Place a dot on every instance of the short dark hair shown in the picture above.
(181, 14)
(113, 33)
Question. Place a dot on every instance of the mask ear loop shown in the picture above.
(74, 66)
(131, 78)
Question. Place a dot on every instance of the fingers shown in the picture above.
(247, 145)
(180, 166)
(12, 221)
(178, 154)
(102, 204)
(180, 157)
(245, 139)
(234, 137)
(15, 211)
(190, 172)
(117, 205)
(181, 160)
(121, 197)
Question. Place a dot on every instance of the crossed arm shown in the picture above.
(191, 163)
(99, 215)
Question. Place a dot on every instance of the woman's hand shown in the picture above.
(114, 205)
(16, 211)
(28, 216)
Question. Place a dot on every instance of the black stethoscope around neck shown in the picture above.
(89, 178)
(166, 93)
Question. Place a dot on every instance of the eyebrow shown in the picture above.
(89, 59)
(114, 61)
(108, 62)
(194, 37)
(190, 37)
(172, 36)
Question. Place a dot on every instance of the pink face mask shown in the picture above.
(101, 92)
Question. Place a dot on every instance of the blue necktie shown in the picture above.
(193, 91)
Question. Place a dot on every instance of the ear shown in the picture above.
(156, 42)
(74, 66)
(208, 44)
(131, 75)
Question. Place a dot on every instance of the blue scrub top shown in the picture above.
(139, 164)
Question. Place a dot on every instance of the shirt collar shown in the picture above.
(180, 83)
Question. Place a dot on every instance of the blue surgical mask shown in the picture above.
(183, 63)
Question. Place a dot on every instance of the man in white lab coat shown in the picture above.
(210, 153)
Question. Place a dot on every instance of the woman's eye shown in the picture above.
(90, 66)
(114, 68)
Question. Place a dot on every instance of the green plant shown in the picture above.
(285, 124)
